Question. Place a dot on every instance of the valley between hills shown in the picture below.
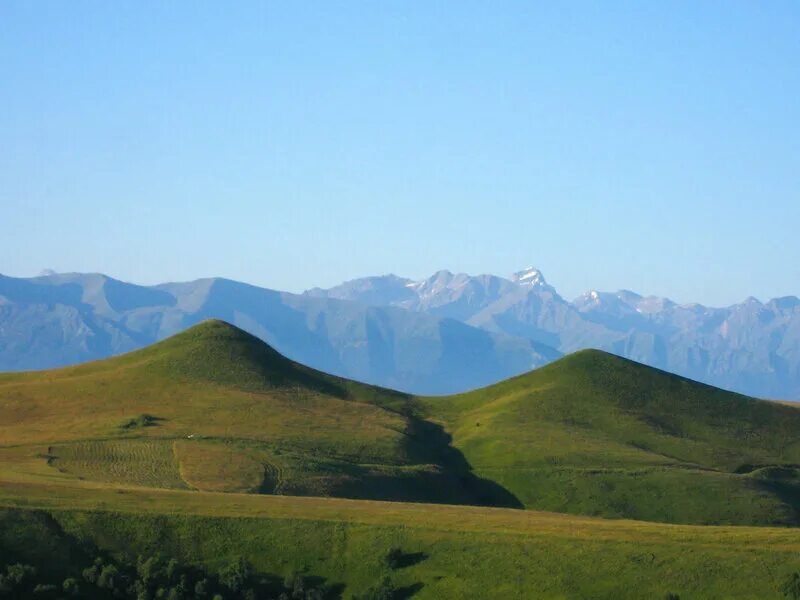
(591, 477)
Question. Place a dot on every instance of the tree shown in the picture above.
(148, 569)
(17, 573)
(380, 591)
(109, 577)
(201, 589)
(70, 586)
(175, 594)
(295, 586)
(91, 574)
(172, 569)
(235, 575)
(394, 558)
(315, 594)
(791, 588)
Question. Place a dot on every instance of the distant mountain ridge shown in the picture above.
(444, 334)
(751, 347)
(63, 319)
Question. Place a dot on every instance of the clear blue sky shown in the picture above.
(647, 145)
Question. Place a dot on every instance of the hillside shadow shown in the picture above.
(406, 592)
(429, 443)
(408, 559)
(786, 492)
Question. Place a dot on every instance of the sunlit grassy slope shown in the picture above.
(453, 552)
(597, 434)
(214, 408)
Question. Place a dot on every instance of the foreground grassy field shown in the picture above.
(202, 447)
(452, 551)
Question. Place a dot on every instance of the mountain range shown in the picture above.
(63, 319)
(751, 347)
(444, 334)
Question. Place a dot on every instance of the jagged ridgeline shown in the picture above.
(215, 409)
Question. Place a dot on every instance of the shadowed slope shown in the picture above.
(598, 434)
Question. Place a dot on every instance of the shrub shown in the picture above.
(393, 558)
(44, 588)
(144, 420)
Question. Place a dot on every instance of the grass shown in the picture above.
(597, 434)
(148, 462)
(150, 451)
(314, 434)
(218, 467)
(459, 551)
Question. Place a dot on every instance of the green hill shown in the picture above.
(216, 409)
(596, 434)
(196, 448)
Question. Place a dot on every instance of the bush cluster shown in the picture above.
(157, 578)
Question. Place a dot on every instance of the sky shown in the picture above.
(652, 146)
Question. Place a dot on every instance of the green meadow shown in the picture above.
(593, 477)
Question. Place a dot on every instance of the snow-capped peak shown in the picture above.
(529, 277)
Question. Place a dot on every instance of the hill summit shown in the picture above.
(594, 433)
(216, 409)
(218, 352)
